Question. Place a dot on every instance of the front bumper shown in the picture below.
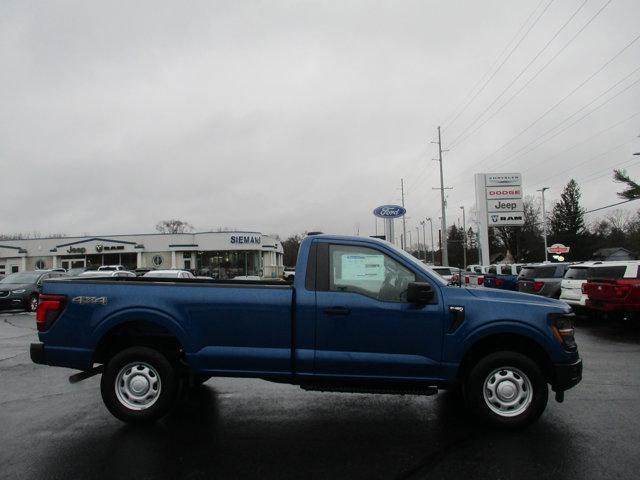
(12, 302)
(567, 375)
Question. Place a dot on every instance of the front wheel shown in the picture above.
(139, 384)
(507, 390)
(32, 303)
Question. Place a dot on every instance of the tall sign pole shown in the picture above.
(404, 223)
(544, 223)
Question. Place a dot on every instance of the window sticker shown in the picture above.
(362, 267)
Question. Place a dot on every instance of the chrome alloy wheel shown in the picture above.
(33, 304)
(138, 386)
(507, 391)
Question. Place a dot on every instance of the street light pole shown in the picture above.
(418, 233)
(464, 238)
(424, 237)
(544, 222)
(433, 252)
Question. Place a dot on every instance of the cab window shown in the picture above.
(368, 272)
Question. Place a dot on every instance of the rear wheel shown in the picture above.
(507, 390)
(139, 384)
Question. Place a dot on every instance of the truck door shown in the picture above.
(364, 325)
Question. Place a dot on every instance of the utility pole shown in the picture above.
(544, 223)
(464, 238)
(443, 228)
(433, 248)
(404, 224)
(424, 237)
(418, 232)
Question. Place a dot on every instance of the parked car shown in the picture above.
(503, 276)
(614, 289)
(141, 271)
(289, 273)
(22, 289)
(361, 316)
(445, 272)
(474, 276)
(571, 285)
(542, 279)
(74, 272)
(109, 268)
(168, 274)
(106, 273)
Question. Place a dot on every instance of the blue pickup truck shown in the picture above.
(504, 277)
(361, 316)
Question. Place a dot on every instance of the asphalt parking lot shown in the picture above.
(253, 429)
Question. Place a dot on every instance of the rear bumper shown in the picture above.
(605, 306)
(79, 358)
(567, 375)
(37, 353)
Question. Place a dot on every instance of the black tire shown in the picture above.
(144, 369)
(517, 375)
(32, 303)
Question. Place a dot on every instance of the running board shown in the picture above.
(384, 389)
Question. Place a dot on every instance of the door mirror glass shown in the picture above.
(420, 293)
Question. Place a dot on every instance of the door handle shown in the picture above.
(337, 311)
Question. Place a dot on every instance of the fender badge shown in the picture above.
(89, 300)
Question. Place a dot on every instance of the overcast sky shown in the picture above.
(287, 116)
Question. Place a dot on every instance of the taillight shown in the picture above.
(466, 279)
(49, 309)
(562, 326)
(480, 280)
(499, 282)
(537, 286)
(620, 291)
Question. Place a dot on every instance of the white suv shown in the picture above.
(571, 286)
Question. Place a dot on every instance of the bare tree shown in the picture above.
(174, 226)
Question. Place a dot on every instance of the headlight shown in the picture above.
(562, 327)
(22, 290)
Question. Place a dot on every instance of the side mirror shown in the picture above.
(420, 293)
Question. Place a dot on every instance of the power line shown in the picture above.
(457, 142)
(582, 84)
(454, 116)
(517, 77)
(512, 158)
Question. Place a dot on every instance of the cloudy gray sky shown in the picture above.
(285, 116)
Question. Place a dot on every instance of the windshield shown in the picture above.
(23, 278)
(607, 271)
(546, 271)
(577, 273)
(415, 262)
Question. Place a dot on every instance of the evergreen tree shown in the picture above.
(633, 189)
(567, 221)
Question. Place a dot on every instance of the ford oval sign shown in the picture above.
(389, 211)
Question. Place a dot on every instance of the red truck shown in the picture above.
(614, 289)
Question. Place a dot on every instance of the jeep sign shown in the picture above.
(509, 205)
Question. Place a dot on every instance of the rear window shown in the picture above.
(608, 271)
(492, 269)
(546, 271)
(442, 271)
(577, 273)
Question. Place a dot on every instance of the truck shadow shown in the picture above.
(296, 434)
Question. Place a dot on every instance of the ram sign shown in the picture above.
(498, 203)
(503, 197)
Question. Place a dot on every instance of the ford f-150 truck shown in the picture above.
(361, 316)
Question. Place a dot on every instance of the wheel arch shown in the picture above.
(139, 327)
(506, 341)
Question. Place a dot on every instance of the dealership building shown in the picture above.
(219, 254)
